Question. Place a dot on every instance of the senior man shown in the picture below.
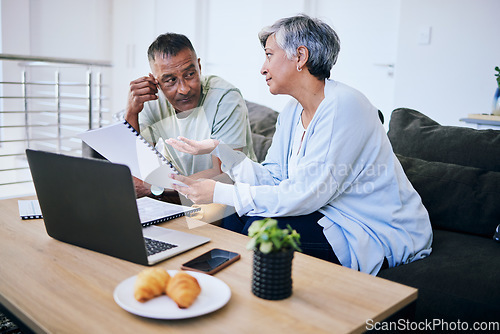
(176, 100)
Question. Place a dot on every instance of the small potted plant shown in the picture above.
(272, 260)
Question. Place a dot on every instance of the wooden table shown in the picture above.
(56, 287)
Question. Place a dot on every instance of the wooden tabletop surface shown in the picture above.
(60, 288)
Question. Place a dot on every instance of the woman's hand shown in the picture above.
(198, 191)
(193, 147)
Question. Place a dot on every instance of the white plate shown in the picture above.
(214, 294)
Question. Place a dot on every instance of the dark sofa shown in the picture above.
(456, 171)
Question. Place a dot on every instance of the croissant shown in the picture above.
(150, 283)
(183, 289)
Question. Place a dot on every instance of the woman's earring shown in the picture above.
(298, 68)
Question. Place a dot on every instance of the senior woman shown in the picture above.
(330, 172)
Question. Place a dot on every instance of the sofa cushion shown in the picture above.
(262, 119)
(459, 280)
(458, 198)
(261, 145)
(413, 134)
(262, 124)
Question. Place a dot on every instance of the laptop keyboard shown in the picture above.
(155, 246)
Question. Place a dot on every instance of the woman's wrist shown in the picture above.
(223, 193)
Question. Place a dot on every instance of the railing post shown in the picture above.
(24, 88)
(90, 96)
(99, 97)
(57, 87)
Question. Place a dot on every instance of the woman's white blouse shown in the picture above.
(298, 138)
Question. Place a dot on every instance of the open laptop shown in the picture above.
(91, 203)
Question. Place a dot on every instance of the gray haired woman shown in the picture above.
(330, 172)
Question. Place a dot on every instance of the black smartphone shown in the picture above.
(211, 261)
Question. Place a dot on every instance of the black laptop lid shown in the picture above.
(89, 203)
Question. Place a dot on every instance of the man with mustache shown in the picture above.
(176, 100)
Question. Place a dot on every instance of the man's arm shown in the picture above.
(232, 125)
(141, 90)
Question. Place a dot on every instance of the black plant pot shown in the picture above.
(272, 274)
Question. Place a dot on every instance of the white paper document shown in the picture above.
(121, 144)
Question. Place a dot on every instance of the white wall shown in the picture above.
(78, 29)
(57, 28)
(454, 74)
(15, 26)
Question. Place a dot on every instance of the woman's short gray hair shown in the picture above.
(301, 30)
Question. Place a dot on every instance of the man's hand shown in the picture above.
(198, 191)
(141, 188)
(193, 147)
(141, 90)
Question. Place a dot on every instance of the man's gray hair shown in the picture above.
(301, 30)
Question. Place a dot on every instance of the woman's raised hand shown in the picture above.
(193, 147)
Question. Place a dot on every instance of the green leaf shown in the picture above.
(266, 247)
(252, 244)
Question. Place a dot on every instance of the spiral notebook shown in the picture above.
(29, 209)
(121, 143)
(152, 211)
